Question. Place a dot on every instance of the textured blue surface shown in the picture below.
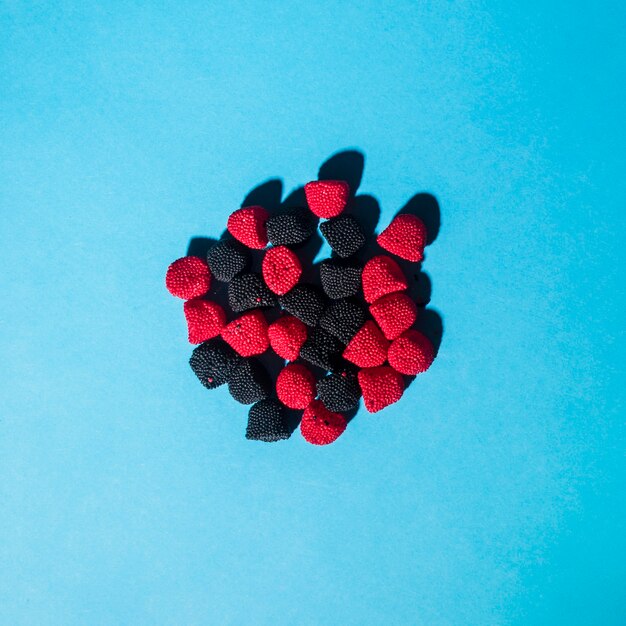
(493, 494)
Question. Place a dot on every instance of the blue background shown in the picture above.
(492, 494)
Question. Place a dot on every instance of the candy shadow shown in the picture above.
(346, 165)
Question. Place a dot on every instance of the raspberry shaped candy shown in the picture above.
(340, 279)
(205, 319)
(343, 234)
(248, 291)
(248, 225)
(295, 386)
(368, 348)
(339, 391)
(394, 313)
(382, 275)
(405, 237)
(228, 258)
(304, 302)
(250, 382)
(327, 198)
(381, 386)
(343, 319)
(214, 362)
(291, 228)
(411, 353)
(286, 335)
(188, 278)
(281, 269)
(266, 421)
(247, 334)
(320, 426)
(321, 349)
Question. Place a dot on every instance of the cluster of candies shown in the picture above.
(356, 329)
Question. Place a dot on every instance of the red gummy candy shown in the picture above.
(381, 386)
(247, 225)
(327, 198)
(287, 335)
(381, 275)
(247, 335)
(405, 237)
(281, 269)
(320, 426)
(394, 313)
(295, 386)
(411, 353)
(205, 319)
(188, 278)
(368, 348)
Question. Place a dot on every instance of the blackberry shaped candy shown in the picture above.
(290, 228)
(343, 319)
(228, 258)
(214, 362)
(304, 302)
(344, 235)
(339, 391)
(249, 382)
(266, 421)
(322, 349)
(340, 279)
(248, 291)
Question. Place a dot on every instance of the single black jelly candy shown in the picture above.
(339, 391)
(214, 362)
(344, 235)
(340, 279)
(291, 228)
(266, 421)
(304, 302)
(249, 291)
(250, 382)
(228, 258)
(322, 349)
(343, 319)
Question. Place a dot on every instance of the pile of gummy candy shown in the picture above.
(349, 337)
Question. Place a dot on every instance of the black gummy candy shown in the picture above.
(249, 291)
(340, 279)
(266, 421)
(339, 391)
(343, 234)
(304, 302)
(290, 228)
(227, 258)
(250, 382)
(214, 362)
(343, 319)
(321, 349)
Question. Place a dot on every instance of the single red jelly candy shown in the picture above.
(320, 426)
(327, 198)
(295, 386)
(382, 275)
(411, 353)
(281, 269)
(287, 335)
(247, 334)
(368, 348)
(394, 313)
(188, 278)
(248, 225)
(205, 319)
(381, 386)
(405, 237)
